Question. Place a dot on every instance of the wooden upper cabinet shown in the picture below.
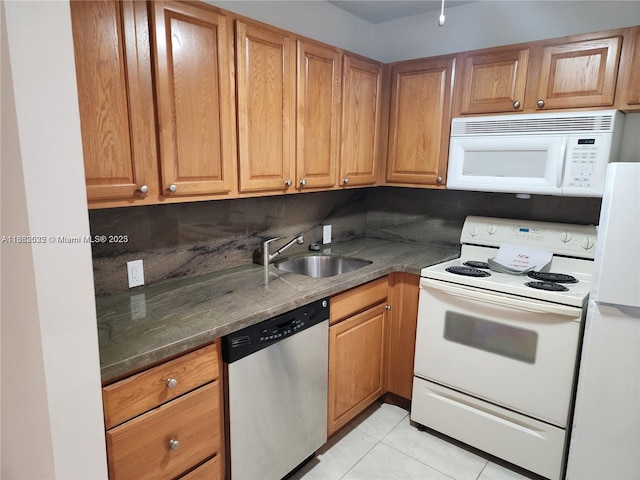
(629, 81)
(578, 73)
(568, 72)
(492, 80)
(194, 88)
(318, 115)
(266, 96)
(115, 95)
(361, 117)
(420, 121)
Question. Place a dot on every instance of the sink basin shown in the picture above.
(320, 266)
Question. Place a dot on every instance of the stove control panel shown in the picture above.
(558, 238)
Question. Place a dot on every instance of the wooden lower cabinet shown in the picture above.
(372, 337)
(210, 470)
(404, 290)
(357, 351)
(175, 433)
(356, 365)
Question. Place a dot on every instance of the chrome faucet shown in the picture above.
(268, 257)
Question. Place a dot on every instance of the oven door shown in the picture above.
(515, 352)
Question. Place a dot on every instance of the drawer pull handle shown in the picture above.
(172, 383)
(174, 444)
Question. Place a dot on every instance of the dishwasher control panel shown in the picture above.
(256, 337)
(283, 330)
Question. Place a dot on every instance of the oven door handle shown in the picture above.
(496, 298)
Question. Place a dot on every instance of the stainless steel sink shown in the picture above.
(321, 265)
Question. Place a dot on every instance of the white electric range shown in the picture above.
(496, 352)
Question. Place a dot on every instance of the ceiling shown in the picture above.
(379, 11)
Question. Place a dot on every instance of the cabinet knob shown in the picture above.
(303, 182)
(388, 307)
(143, 189)
(345, 181)
(174, 444)
(439, 180)
(540, 103)
(172, 188)
(172, 383)
(288, 183)
(516, 104)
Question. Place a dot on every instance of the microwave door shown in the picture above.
(508, 163)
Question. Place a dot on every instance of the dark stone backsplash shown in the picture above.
(411, 214)
(188, 239)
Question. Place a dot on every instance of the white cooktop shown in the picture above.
(572, 247)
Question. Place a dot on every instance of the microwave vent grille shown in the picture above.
(586, 123)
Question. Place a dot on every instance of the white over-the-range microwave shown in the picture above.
(543, 153)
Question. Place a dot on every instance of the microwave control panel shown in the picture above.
(585, 170)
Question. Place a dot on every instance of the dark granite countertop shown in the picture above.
(149, 324)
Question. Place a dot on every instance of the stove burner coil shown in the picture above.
(468, 271)
(550, 286)
(476, 264)
(552, 277)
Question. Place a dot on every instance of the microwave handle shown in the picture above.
(563, 158)
(503, 301)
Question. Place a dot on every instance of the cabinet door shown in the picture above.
(361, 114)
(195, 99)
(115, 95)
(630, 71)
(578, 74)
(265, 66)
(420, 122)
(492, 81)
(403, 320)
(318, 120)
(356, 365)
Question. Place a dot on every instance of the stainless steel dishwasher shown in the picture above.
(276, 392)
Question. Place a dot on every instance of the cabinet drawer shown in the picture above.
(146, 390)
(357, 299)
(210, 470)
(139, 449)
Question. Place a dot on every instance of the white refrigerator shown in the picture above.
(605, 437)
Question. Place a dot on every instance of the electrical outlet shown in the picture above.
(135, 273)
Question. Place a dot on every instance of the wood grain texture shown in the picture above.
(318, 115)
(361, 119)
(628, 91)
(113, 71)
(578, 74)
(420, 121)
(265, 69)
(490, 81)
(196, 112)
(210, 470)
(356, 365)
(357, 299)
(139, 449)
(403, 320)
(139, 393)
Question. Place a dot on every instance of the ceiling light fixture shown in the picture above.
(441, 18)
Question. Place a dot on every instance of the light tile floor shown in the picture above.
(381, 444)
